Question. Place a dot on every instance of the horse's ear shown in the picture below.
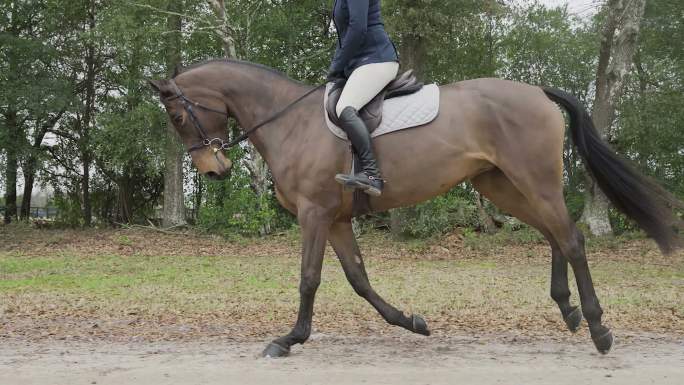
(158, 85)
(177, 70)
(163, 87)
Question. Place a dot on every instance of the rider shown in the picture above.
(368, 60)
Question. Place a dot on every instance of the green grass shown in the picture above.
(166, 283)
(102, 275)
(497, 286)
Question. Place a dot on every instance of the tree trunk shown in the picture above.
(173, 213)
(260, 183)
(32, 164)
(13, 133)
(486, 220)
(85, 186)
(125, 200)
(412, 53)
(199, 192)
(618, 44)
(223, 30)
(257, 167)
(11, 167)
(29, 178)
(398, 221)
(88, 117)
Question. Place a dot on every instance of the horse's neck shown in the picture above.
(252, 100)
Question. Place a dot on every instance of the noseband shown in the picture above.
(188, 105)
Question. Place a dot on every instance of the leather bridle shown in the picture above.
(188, 105)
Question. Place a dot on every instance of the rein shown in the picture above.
(188, 105)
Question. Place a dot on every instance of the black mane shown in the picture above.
(179, 69)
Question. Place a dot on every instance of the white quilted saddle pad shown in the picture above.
(398, 113)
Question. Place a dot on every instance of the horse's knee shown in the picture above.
(309, 284)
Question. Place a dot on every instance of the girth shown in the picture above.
(371, 113)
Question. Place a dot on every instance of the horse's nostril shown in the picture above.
(212, 175)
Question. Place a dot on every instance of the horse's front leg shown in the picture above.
(315, 224)
(344, 243)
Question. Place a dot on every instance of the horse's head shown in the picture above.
(200, 118)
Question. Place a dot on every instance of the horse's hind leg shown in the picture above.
(497, 188)
(560, 292)
(540, 182)
(343, 242)
(571, 243)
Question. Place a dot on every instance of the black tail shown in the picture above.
(636, 195)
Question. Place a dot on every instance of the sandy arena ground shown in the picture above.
(396, 360)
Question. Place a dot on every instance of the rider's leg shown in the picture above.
(361, 87)
(365, 83)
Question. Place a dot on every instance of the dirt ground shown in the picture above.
(399, 359)
(141, 307)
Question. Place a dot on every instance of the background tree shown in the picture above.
(618, 44)
(174, 197)
(77, 117)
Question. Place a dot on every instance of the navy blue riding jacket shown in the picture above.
(362, 38)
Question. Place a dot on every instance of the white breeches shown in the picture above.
(365, 83)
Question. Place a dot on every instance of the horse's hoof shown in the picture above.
(604, 342)
(419, 325)
(574, 319)
(274, 350)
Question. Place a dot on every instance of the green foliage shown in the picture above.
(68, 211)
(507, 236)
(303, 52)
(45, 46)
(650, 126)
(437, 216)
(652, 133)
(621, 224)
(233, 207)
(550, 47)
(124, 240)
(574, 201)
(448, 39)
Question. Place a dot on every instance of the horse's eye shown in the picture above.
(178, 118)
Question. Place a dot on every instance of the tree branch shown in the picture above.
(63, 134)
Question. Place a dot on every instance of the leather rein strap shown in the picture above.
(188, 105)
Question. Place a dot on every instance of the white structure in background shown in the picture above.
(39, 200)
(40, 197)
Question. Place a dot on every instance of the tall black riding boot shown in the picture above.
(368, 179)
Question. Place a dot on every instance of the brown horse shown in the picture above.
(505, 137)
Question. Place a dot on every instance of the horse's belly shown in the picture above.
(422, 163)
